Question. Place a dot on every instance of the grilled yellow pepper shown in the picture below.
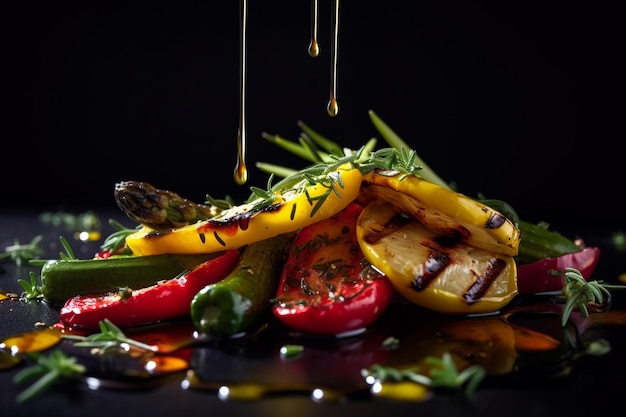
(440, 249)
(289, 210)
(451, 214)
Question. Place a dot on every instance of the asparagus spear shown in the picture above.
(159, 209)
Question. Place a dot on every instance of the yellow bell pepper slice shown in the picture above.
(451, 214)
(440, 249)
(430, 270)
(247, 223)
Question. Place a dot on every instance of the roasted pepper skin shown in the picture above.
(245, 224)
(166, 300)
(547, 274)
(325, 287)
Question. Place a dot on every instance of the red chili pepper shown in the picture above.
(166, 300)
(325, 288)
(547, 274)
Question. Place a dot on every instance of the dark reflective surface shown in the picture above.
(533, 365)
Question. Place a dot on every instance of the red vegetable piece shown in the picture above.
(165, 300)
(546, 275)
(105, 254)
(324, 287)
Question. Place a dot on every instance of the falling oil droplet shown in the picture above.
(333, 106)
(241, 171)
(314, 48)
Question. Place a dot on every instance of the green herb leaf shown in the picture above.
(443, 374)
(579, 292)
(110, 336)
(49, 370)
(117, 239)
(23, 253)
(32, 289)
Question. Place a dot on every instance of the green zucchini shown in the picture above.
(64, 279)
(242, 299)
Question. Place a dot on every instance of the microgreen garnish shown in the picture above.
(49, 370)
(443, 374)
(110, 336)
(580, 292)
(19, 253)
(32, 289)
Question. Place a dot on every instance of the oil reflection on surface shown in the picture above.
(525, 345)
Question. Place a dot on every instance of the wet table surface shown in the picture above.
(332, 364)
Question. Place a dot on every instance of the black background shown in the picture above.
(521, 101)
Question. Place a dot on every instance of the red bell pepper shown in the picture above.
(165, 300)
(547, 274)
(325, 287)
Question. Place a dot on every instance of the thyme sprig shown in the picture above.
(443, 374)
(393, 160)
(324, 174)
(49, 370)
(579, 292)
(264, 198)
(21, 253)
(110, 336)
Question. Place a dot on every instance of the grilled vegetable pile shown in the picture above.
(323, 250)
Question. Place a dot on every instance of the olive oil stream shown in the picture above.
(241, 170)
